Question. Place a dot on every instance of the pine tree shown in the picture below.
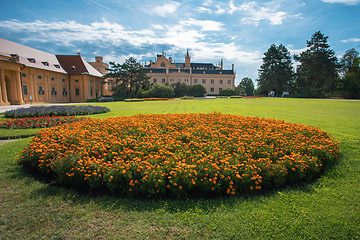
(317, 73)
(276, 73)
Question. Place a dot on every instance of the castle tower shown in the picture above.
(187, 59)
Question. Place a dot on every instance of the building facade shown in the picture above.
(29, 75)
(166, 72)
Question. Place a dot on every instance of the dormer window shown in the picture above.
(57, 65)
(32, 60)
(14, 55)
(45, 63)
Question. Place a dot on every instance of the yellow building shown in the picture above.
(28, 75)
(166, 72)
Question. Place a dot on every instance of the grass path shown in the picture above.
(328, 208)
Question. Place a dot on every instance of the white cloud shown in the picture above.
(117, 43)
(157, 26)
(253, 12)
(347, 2)
(207, 3)
(205, 25)
(166, 9)
(203, 9)
(351, 40)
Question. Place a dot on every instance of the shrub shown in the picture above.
(106, 99)
(134, 100)
(55, 110)
(227, 92)
(187, 97)
(160, 91)
(181, 154)
(236, 96)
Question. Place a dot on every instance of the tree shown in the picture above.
(247, 85)
(130, 79)
(227, 92)
(180, 89)
(348, 60)
(350, 70)
(317, 72)
(276, 72)
(197, 90)
(160, 91)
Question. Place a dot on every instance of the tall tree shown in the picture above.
(247, 85)
(350, 71)
(129, 78)
(317, 72)
(276, 73)
(348, 60)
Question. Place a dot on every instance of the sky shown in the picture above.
(239, 32)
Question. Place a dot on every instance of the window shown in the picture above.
(220, 81)
(52, 79)
(163, 80)
(45, 64)
(229, 81)
(77, 91)
(155, 80)
(39, 77)
(25, 89)
(14, 55)
(212, 89)
(64, 92)
(90, 81)
(23, 74)
(57, 65)
(76, 80)
(220, 89)
(204, 81)
(179, 79)
(32, 60)
(162, 64)
(53, 92)
(91, 91)
(41, 91)
(63, 80)
(212, 81)
(171, 79)
(195, 80)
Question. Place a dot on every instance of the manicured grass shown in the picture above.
(328, 208)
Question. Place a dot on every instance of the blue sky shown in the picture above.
(239, 32)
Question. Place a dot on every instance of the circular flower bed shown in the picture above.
(181, 154)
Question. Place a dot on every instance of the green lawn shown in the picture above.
(328, 208)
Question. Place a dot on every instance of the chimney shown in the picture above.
(170, 59)
(78, 54)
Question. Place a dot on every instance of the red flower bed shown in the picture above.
(38, 122)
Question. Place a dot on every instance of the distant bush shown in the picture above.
(106, 99)
(236, 96)
(92, 100)
(56, 110)
(187, 97)
(155, 99)
(227, 92)
(160, 91)
(134, 100)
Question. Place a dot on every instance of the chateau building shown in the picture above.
(166, 72)
(28, 75)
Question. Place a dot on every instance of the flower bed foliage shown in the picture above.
(55, 110)
(181, 154)
(38, 122)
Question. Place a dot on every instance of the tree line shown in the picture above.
(318, 73)
(130, 81)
